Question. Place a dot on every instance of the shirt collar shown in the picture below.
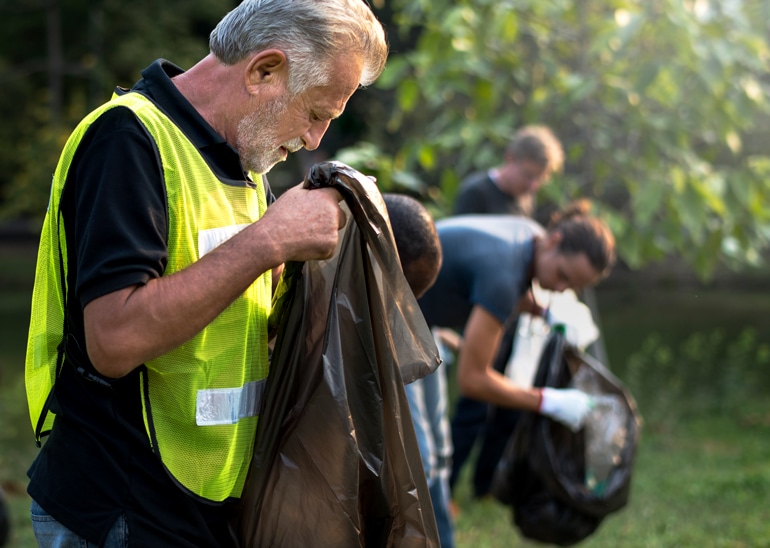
(156, 85)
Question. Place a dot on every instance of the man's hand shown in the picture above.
(568, 406)
(448, 337)
(303, 224)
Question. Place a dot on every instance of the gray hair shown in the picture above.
(309, 32)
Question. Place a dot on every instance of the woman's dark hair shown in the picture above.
(583, 233)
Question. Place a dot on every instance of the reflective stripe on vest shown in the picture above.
(228, 405)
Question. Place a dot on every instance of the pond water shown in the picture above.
(628, 316)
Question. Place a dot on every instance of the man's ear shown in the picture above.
(266, 67)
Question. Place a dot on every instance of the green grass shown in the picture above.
(702, 475)
(702, 483)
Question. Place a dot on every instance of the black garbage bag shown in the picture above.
(562, 484)
(336, 460)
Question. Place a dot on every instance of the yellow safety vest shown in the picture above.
(201, 399)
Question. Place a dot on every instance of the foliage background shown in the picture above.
(61, 58)
(662, 105)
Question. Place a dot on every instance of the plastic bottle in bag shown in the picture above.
(605, 431)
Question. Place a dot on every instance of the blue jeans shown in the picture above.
(52, 534)
(427, 402)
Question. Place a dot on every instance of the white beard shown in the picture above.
(256, 138)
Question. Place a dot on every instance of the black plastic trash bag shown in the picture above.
(336, 461)
(548, 474)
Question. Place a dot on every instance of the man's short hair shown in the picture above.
(537, 144)
(309, 32)
(419, 247)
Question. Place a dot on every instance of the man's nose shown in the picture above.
(314, 134)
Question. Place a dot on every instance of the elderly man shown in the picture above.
(148, 334)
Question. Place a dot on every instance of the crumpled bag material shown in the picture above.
(336, 460)
(545, 473)
(574, 316)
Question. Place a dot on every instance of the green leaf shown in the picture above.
(408, 94)
(395, 70)
(646, 200)
(426, 157)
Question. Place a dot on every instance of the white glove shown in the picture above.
(579, 327)
(568, 406)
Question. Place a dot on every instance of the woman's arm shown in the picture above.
(477, 378)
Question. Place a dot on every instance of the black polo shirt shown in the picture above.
(97, 463)
(478, 194)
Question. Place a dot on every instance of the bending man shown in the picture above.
(153, 281)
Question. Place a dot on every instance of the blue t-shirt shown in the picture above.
(486, 262)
